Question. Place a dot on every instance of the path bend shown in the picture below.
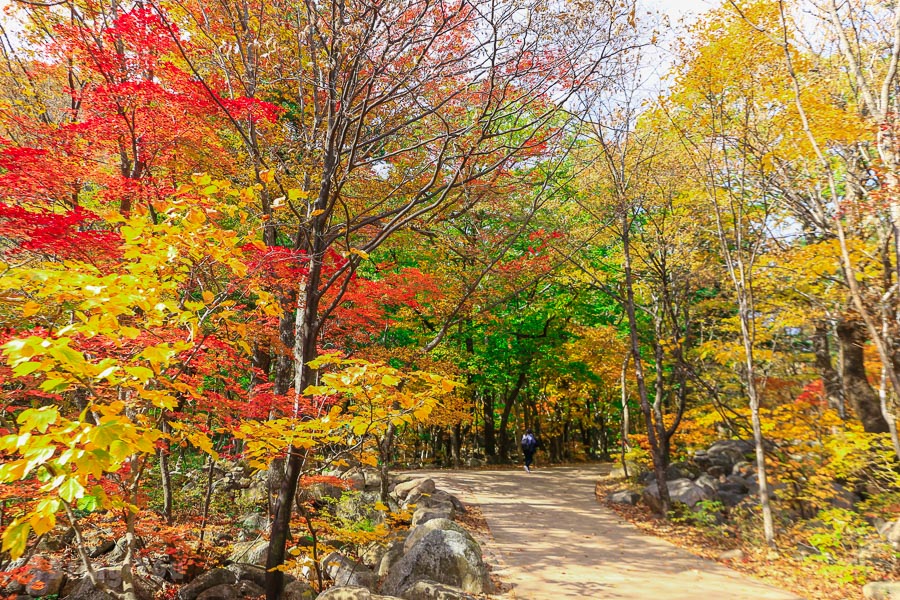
(556, 542)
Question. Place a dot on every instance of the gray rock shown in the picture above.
(372, 478)
(350, 593)
(45, 580)
(402, 491)
(842, 497)
(417, 533)
(624, 497)
(323, 492)
(890, 531)
(681, 470)
(618, 472)
(346, 572)
(429, 513)
(715, 471)
(251, 552)
(684, 491)
(882, 590)
(405, 477)
(708, 481)
(222, 592)
(744, 469)
(112, 578)
(730, 499)
(356, 478)
(254, 573)
(252, 525)
(298, 590)
(359, 506)
(257, 494)
(724, 454)
(447, 557)
(438, 498)
(205, 581)
(734, 484)
(393, 554)
(432, 590)
(102, 548)
(735, 555)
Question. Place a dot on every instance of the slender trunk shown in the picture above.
(507, 409)
(658, 468)
(456, 440)
(385, 448)
(487, 412)
(753, 393)
(166, 481)
(207, 498)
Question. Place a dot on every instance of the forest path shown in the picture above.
(556, 541)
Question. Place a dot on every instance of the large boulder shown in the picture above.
(708, 481)
(223, 592)
(416, 534)
(208, 580)
(298, 590)
(890, 531)
(683, 491)
(623, 497)
(882, 590)
(359, 506)
(252, 552)
(112, 578)
(423, 514)
(346, 572)
(252, 525)
(409, 490)
(432, 590)
(393, 554)
(682, 470)
(444, 556)
(351, 593)
(355, 477)
(254, 573)
(724, 454)
(44, 579)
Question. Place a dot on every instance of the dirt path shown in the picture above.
(557, 542)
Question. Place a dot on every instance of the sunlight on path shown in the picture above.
(558, 542)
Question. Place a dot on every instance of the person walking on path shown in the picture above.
(529, 447)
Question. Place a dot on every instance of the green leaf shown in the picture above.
(26, 368)
(71, 490)
(88, 503)
(38, 418)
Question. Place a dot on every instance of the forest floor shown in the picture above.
(550, 539)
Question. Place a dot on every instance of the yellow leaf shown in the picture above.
(30, 308)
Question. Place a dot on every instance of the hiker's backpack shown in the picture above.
(529, 443)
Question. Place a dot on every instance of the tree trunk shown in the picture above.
(456, 444)
(857, 390)
(831, 381)
(487, 412)
(658, 468)
(507, 409)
